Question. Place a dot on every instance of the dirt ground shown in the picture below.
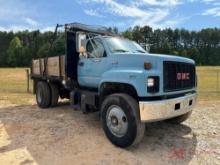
(29, 135)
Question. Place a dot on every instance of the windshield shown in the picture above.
(120, 45)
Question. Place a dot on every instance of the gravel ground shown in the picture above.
(29, 135)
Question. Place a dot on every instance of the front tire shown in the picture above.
(121, 120)
(43, 95)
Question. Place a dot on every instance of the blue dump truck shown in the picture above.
(101, 71)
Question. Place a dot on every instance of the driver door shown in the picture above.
(91, 68)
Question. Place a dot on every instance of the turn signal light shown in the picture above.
(147, 66)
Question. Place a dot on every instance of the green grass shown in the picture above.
(13, 85)
(209, 83)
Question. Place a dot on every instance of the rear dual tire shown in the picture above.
(54, 94)
(121, 120)
(46, 94)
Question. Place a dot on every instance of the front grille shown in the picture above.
(178, 76)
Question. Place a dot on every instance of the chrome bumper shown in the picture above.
(160, 110)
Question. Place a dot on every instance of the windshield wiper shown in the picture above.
(120, 50)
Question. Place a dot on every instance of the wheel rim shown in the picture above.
(116, 121)
(39, 96)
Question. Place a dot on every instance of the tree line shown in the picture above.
(203, 46)
(18, 49)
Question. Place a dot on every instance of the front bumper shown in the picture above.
(151, 111)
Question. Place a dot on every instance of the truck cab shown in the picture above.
(116, 76)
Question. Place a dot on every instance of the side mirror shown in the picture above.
(80, 42)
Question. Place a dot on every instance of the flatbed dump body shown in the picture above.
(51, 67)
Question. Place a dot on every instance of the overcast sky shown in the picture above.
(45, 14)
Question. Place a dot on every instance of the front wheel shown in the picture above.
(121, 120)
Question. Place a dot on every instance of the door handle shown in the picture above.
(81, 63)
(96, 60)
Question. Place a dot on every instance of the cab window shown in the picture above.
(95, 49)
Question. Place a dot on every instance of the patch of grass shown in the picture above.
(13, 86)
(209, 83)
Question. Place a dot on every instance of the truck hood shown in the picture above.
(138, 59)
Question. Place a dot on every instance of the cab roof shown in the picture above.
(98, 30)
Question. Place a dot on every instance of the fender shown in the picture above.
(131, 76)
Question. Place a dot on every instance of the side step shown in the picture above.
(85, 100)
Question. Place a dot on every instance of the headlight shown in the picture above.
(150, 82)
(153, 84)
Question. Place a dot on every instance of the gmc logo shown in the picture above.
(183, 76)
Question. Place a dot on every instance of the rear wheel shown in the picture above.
(43, 95)
(54, 94)
(121, 121)
(179, 119)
